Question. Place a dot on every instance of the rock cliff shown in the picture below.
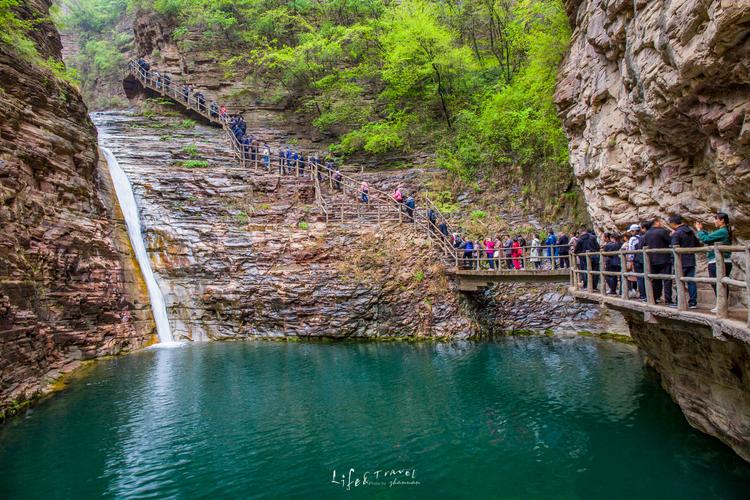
(66, 279)
(655, 98)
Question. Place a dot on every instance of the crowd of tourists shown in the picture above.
(286, 159)
(533, 250)
(555, 251)
(658, 234)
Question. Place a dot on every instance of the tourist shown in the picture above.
(245, 147)
(522, 245)
(587, 243)
(364, 189)
(684, 237)
(516, 253)
(552, 250)
(266, 157)
(563, 243)
(612, 263)
(186, 92)
(468, 247)
(508, 251)
(223, 112)
(167, 80)
(489, 250)
(536, 252)
(201, 102)
(661, 263)
(432, 219)
(722, 236)
(409, 205)
(631, 245)
(214, 110)
(144, 66)
(443, 228)
(156, 76)
(638, 261)
(337, 177)
(397, 196)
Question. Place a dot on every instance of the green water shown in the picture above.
(517, 418)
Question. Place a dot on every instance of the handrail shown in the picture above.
(722, 283)
(379, 204)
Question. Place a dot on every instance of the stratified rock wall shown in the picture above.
(706, 371)
(655, 97)
(64, 269)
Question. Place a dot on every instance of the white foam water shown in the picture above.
(130, 212)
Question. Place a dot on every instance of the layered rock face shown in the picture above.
(65, 275)
(239, 254)
(655, 97)
(708, 377)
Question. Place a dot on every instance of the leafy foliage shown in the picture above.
(471, 81)
(14, 35)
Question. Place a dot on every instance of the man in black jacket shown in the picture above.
(684, 237)
(661, 263)
(564, 240)
(587, 243)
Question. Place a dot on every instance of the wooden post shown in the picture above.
(747, 282)
(378, 210)
(602, 276)
(722, 297)
(573, 272)
(342, 212)
(624, 284)
(679, 283)
(647, 278)
(589, 277)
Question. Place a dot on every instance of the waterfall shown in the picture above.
(130, 212)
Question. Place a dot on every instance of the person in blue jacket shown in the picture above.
(552, 253)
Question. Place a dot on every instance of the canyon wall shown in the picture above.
(655, 98)
(69, 290)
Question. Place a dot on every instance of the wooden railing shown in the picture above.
(346, 203)
(723, 284)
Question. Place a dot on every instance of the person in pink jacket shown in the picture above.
(489, 250)
(517, 253)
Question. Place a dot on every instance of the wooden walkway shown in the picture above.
(339, 199)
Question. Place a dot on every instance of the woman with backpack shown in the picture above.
(365, 190)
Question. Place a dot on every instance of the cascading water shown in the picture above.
(130, 212)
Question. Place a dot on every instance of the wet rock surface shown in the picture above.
(239, 254)
(68, 289)
(234, 260)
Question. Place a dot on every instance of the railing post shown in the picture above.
(378, 210)
(573, 274)
(722, 297)
(647, 277)
(589, 276)
(624, 284)
(679, 275)
(747, 282)
(602, 276)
